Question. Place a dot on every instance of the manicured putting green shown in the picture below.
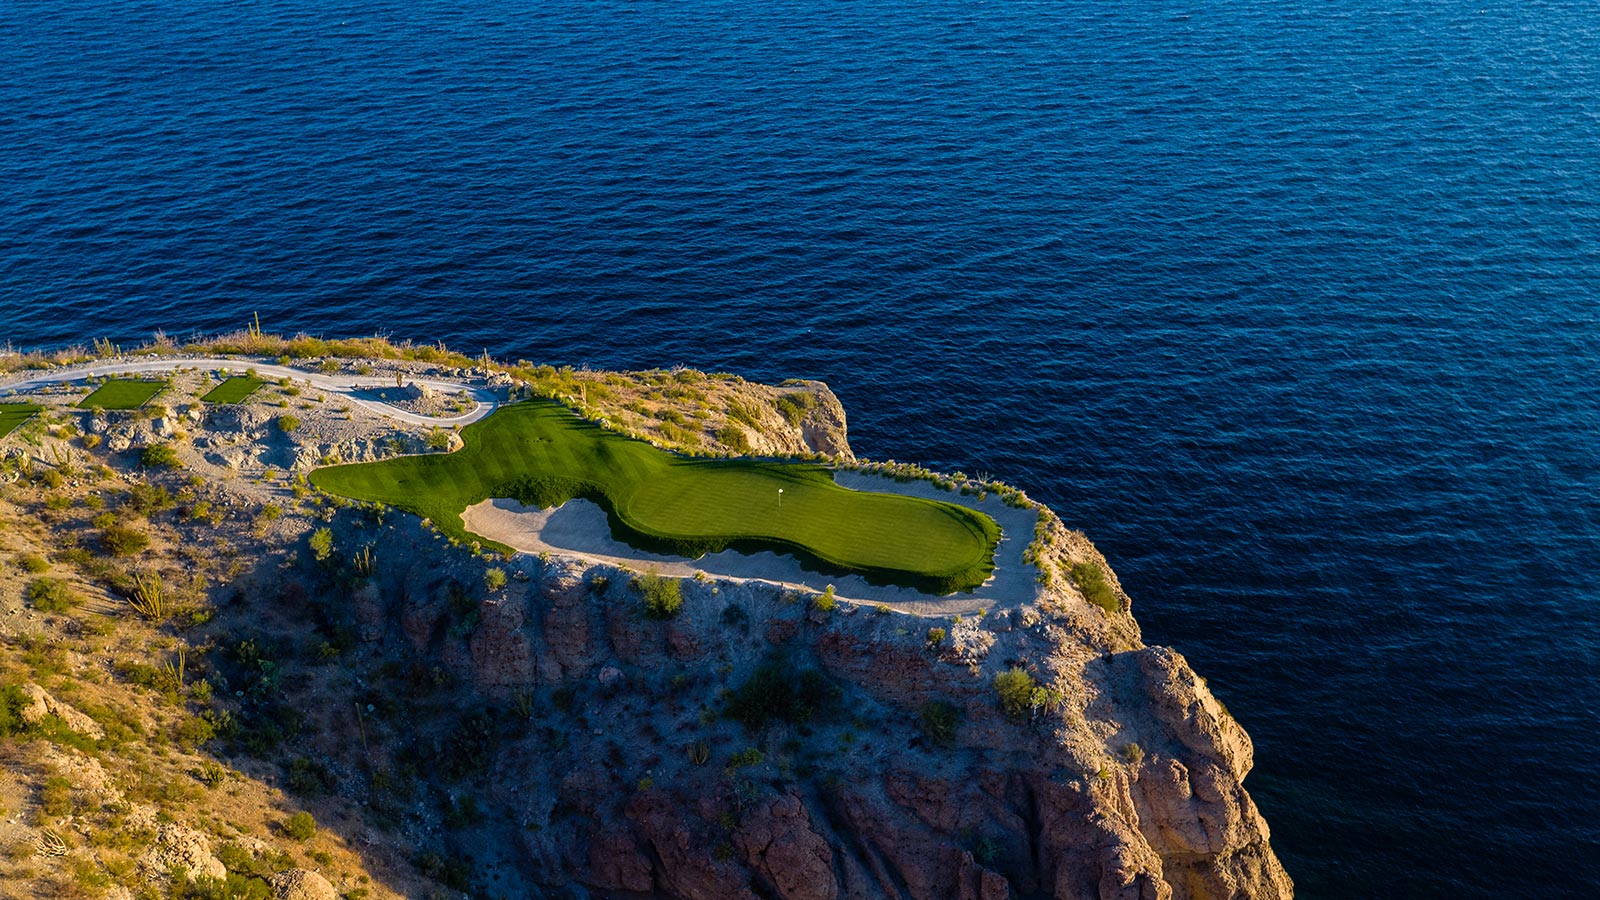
(234, 390)
(543, 454)
(123, 393)
(12, 415)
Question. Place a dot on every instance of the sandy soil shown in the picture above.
(579, 528)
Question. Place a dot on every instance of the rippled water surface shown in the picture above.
(1291, 306)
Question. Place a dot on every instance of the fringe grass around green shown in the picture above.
(123, 393)
(542, 454)
(234, 390)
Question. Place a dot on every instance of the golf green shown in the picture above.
(12, 415)
(234, 389)
(543, 454)
(123, 393)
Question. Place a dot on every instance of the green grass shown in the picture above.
(12, 415)
(234, 390)
(123, 393)
(542, 454)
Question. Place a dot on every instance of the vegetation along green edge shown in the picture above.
(234, 390)
(13, 415)
(123, 393)
(542, 454)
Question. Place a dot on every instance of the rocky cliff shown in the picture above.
(759, 744)
(463, 724)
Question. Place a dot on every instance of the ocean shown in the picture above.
(1294, 308)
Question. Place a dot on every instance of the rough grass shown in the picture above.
(123, 393)
(542, 454)
(12, 415)
(234, 390)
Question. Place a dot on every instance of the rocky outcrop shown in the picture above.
(302, 884)
(1123, 781)
(41, 706)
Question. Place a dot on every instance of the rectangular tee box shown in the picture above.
(123, 393)
(12, 415)
(234, 390)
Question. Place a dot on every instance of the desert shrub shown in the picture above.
(55, 797)
(13, 700)
(1091, 579)
(936, 637)
(793, 407)
(192, 731)
(146, 499)
(734, 438)
(321, 544)
(438, 439)
(287, 424)
(159, 456)
(940, 719)
(309, 778)
(1133, 753)
(778, 689)
(1015, 688)
(301, 826)
(33, 562)
(826, 600)
(494, 579)
(52, 595)
(747, 413)
(90, 441)
(122, 541)
(663, 597)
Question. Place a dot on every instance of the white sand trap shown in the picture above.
(579, 528)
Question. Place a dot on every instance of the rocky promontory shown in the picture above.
(327, 699)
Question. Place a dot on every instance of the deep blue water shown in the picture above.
(1291, 306)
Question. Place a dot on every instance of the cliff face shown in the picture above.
(534, 732)
(638, 770)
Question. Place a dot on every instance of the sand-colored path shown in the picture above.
(351, 387)
(579, 528)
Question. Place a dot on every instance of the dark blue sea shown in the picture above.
(1294, 307)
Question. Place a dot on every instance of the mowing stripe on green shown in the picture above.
(541, 453)
(13, 415)
(234, 389)
(123, 393)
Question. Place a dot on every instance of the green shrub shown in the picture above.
(1133, 753)
(734, 438)
(33, 562)
(1091, 579)
(780, 690)
(826, 600)
(232, 887)
(1015, 687)
(52, 595)
(793, 407)
(301, 826)
(321, 544)
(55, 797)
(13, 700)
(494, 579)
(740, 411)
(287, 424)
(121, 541)
(663, 597)
(936, 637)
(940, 719)
(160, 456)
(438, 439)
